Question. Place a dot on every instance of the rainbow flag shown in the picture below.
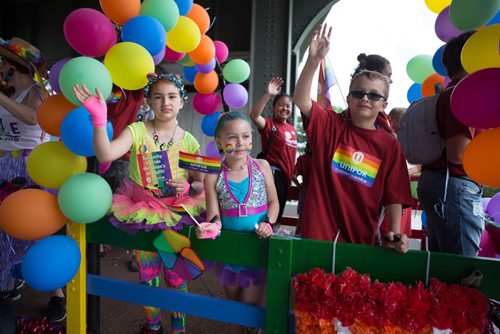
(199, 163)
(326, 80)
(355, 165)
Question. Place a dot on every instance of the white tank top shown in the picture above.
(15, 134)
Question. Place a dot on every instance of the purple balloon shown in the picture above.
(206, 68)
(475, 102)
(54, 74)
(493, 205)
(445, 30)
(206, 104)
(485, 201)
(235, 95)
(212, 150)
(173, 56)
(159, 57)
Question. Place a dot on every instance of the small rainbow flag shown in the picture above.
(199, 163)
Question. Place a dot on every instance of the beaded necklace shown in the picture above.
(157, 141)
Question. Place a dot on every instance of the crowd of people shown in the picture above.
(355, 179)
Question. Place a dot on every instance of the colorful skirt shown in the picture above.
(135, 208)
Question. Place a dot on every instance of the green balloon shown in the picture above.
(470, 15)
(85, 198)
(414, 186)
(419, 68)
(236, 71)
(85, 70)
(165, 11)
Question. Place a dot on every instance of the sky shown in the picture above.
(395, 29)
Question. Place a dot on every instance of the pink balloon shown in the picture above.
(172, 56)
(54, 74)
(475, 102)
(206, 104)
(159, 57)
(221, 51)
(486, 245)
(445, 30)
(494, 233)
(212, 150)
(89, 32)
(235, 95)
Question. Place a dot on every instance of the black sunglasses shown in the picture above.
(357, 94)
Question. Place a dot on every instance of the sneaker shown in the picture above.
(19, 283)
(145, 329)
(11, 295)
(56, 310)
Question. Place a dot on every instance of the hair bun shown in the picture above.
(362, 58)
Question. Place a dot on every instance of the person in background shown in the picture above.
(279, 138)
(302, 168)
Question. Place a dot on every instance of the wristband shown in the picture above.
(98, 111)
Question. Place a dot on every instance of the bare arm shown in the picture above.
(318, 49)
(273, 89)
(455, 147)
(25, 112)
(272, 196)
(211, 196)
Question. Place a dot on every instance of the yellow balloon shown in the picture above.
(129, 64)
(481, 49)
(51, 163)
(185, 36)
(437, 6)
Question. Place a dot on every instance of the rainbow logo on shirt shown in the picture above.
(355, 165)
(199, 163)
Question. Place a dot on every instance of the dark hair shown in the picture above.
(227, 117)
(279, 96)
(371, 63)
(451, 54)
(372, 75)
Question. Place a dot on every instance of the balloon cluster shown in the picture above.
(474, 100)
(489, 245)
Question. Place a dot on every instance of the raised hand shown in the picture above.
(320, 43)
(274, 86)
(96, 106)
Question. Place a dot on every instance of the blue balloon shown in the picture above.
(77, 132)
(184, 6)
(437, 61)
(209, 122)
(495, 19)
(147, 32)
(414, 92)
(189, 73)
(51, 263)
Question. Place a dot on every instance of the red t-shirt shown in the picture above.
(354, 172)
(303, 167)
(283, 146)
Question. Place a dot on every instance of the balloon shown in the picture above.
(51, 113)
(212, 150)
(209, 122)
(445, 30)
(129, 63)
(487, 245)
(235, 96)
(494, 232)
(414, 186)
(185, 36)
(77, 132)
(173, 56)
(206, 83)
(54, 74)
(51, 263)
(437, 61)
(184, 6)
(204, 52)
(221, 51)
(89, 32)
(206, 68)
(480, 162)
(200, 16)
(51, 163)
(145, 31)
(85, 70)
(467, 15)
(414, 92)
(160, 56)
(419, 68)
(190, 73)
(481, 49)
(165, 11)
(485, 201)
(186, 61)
(236, 71)
(494, 20)
(437, 6)
(432, 85)
(206, 104)
(493, 206)
(474, 101)
(85, 198)
(120, 11)
(31, 214)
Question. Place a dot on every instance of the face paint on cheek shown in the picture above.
(229, 148)
(249, 148)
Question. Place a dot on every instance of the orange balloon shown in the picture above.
(206, 83)
(429, 84)
(204, 52)
(31, 214)
(481, 163)
(200, 16)
(120, 11)
(51, 113)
